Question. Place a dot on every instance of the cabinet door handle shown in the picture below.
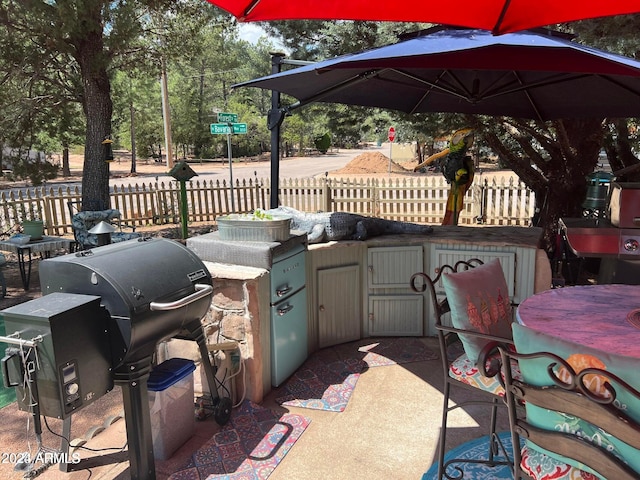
(321, 308)
(370, 269)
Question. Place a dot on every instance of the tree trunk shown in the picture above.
(418, 152)
(98, 108)
(558, 178)
(133, 137)
(66, 169)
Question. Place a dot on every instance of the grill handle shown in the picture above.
(202, 290)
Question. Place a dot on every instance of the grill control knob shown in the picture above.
(631, 245)
(72, 388)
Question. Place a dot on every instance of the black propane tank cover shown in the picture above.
(182, 172)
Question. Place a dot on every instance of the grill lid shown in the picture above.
(153, 289)
(129, 275)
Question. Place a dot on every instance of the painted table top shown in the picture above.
(606, 317)
(47, 244)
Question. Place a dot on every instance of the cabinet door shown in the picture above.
(339, 305)
(396, 315)
(392, 267)
(393, 309)
(443, 256)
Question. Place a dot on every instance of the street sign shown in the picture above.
(392, 134)
(226, 129)
(220, 129)
(239, 128)
(227, 117)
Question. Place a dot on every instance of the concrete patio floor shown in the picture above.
(389, 430)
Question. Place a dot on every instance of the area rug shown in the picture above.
(250, 446)
(382, 352)
(323, 382)
(327, 379)
(477, 449)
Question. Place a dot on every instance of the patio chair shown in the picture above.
(574, 410)
(83, 221)
(468, 348)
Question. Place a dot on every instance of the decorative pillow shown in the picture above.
(534, 371)
(479, 301)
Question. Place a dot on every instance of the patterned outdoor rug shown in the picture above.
(381, 352)
(250, 446)
(476, 448)
(327, 379)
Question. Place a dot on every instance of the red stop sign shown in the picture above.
(392, 134)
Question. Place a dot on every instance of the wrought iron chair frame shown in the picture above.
(573, 398)
(447, 335)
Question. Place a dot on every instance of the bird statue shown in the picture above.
(457, 169)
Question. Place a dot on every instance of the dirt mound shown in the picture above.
(370, 162)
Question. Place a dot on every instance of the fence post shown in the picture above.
(48, 215)
(326, 194)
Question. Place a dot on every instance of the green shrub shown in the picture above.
(322, 142)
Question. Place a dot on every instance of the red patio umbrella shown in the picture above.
(498, 16)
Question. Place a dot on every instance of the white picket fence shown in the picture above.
(418, 200)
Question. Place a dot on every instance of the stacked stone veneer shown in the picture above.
(240, 313)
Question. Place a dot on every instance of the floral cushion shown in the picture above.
(466, 371)
(543, 467)
(579, 357)
(479, 301)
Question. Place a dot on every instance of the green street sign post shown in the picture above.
(227, 117)
(228, 125)
(240, 128)
(228, 128)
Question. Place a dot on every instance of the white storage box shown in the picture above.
(171, 402)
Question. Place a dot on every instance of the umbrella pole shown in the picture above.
(274, 121)
(274, 126)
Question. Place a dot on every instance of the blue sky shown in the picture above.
(251, 32)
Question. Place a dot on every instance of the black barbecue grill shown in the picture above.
(144, 291)
(613, 238)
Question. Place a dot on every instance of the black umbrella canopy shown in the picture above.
(532, 74)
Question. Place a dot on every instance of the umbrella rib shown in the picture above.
(503, 12)
(361, 77)
(426, 94)
(531, 101)
(621, 85)
(250, 8)
(541, 83)
(432, 85)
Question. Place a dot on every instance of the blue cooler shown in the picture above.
(171, 402)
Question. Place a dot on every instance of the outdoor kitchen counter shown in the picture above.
(528, 237)
(477, 238)
(339, 287)
(375, 274)
(489, 235)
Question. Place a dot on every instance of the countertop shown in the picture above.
(489, 235)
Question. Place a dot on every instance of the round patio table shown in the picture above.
(604, 317)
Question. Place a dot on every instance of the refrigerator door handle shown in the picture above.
(282, 291)
(284, 309)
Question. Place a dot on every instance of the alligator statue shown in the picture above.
(327, 226)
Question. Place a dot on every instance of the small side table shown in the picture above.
(46, 245)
